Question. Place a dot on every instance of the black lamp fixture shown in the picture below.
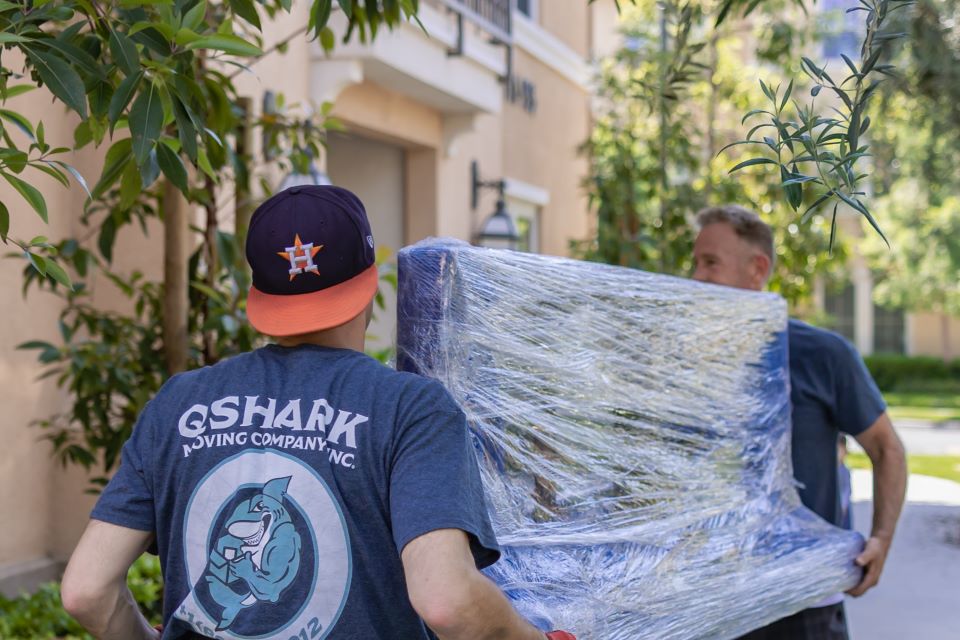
(498, 230)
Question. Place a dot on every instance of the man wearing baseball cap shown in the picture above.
(302, 490)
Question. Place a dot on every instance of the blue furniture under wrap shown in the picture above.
(632, 430)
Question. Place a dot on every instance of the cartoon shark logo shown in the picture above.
(257, 555)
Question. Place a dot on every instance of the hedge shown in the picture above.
(913, 373)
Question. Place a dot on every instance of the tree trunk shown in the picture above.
(176, 256)
(212, 259)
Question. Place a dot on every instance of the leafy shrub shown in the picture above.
(913, 373)
(40, 615)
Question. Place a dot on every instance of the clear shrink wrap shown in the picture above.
(633, 434)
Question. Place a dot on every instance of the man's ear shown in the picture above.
(760, 265)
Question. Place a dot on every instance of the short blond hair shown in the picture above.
(747, 225)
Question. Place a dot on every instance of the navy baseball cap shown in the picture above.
(313, 260)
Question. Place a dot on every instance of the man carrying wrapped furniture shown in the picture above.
(302, 490)
(831, 392)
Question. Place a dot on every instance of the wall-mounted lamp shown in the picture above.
(498, 230)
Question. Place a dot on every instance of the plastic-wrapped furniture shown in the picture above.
(633, 435)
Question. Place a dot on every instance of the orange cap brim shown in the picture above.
(277, 315)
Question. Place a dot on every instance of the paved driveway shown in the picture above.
(918, 597)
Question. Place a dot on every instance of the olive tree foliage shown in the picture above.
(825, 151)
(668, 101)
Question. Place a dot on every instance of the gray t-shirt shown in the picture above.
(282, 485)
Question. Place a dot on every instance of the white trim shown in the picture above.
(409, 62)
(519, 190)
(550, 50)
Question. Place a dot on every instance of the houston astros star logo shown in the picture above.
(301, 257)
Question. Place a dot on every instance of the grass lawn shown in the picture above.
(935, 407)
(947, 467)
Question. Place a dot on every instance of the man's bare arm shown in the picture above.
(94, 588)
(887, 454)
(453, 597)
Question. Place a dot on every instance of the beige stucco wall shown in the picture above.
(925, 335)
(568, 20)
(542, 149)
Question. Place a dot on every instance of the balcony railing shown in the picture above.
(493, 16)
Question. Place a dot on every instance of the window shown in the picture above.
(838, 303)
(528, 8)
(889, 328)
(840, 30)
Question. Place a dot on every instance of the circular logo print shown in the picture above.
(267, 550)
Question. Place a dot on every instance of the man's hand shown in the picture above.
(872, 558)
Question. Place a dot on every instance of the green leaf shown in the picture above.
(228, 44)
(19, 121)
(76, 175)
(117, 157)
(183, 37)
(872, 60)
(121, 98)
(320, 15)
(752, 162)
(130, 187)
(833, 227)
(108, 234)
(186, 131)
(13, 91)
(767, 92)
(816, 203)
(815, 70)
(754, 112)
(194, 18)
(247, 10)
(150, 169)
(873, 223)
(55, 271)
(60, 78)
(83, 60)
(816, 90)
(347, 7)
(124, 53)
(30, 193)
(172, 167)
(799, 179)
(37, 262)
(327, 39)
(12, 38)
(53, 172)
(146, 120)
(786, 95)
(852, 67)
(204, 163)
(4, 223)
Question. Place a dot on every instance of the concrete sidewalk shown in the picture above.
(918, 597)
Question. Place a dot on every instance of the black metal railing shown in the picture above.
(493, 16)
